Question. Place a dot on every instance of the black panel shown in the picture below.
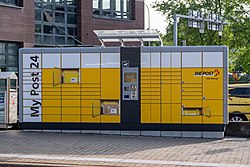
(113, 126)
(130, 109)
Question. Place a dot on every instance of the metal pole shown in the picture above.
(148, 15)
(175, 31)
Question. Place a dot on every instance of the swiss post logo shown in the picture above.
(214, 73)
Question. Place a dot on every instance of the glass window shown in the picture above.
(13, 69)
(47, 29)
(237, 91)
(71, 19)
(11, 2)
(12, 60)
(9, 56)
(60, 40)
(58, 18)
(12, 48)
(48, 39)
(38, 28)
(38, 15)
(113, 8)
(2, 59)
(2, 48)
(72, 31)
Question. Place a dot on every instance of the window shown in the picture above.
(11, 2)
(237, 91)
(113, 8)
(9, 56)
(56, 22)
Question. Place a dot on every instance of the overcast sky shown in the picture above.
(157, 21)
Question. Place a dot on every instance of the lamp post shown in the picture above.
(148, 15)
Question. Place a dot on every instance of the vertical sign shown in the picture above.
(32, 83)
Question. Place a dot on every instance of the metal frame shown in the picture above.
(127, 36)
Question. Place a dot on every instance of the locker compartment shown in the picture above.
(91, 103)
(145, 101)
(176, 113)
(51, 103)
(212, 119)
(184, 93)
(51, 76)
(155, 97)
(51, 93)
(176, 81)
(110, 107)
(191, 75)
(155, 101)
(71, 110)
(166, 93)
(110, 83)
(90, 75)
(215, 106)
(192, 103)
(90, 85)
(145, 94)
(191, 97)
(156, 94)
(71, 103)
(192, 119)
(166, 113)
(71, 118)
(191, 111)
(213, 85)
(146, 97)
(90, 97)
(90, 93)
(52, 97)
(155, 113)
(93, 111)
(155, 70)
(51, 118)
(192, 88)
(70, 76)
(51, 110)
(110, 118)
(145, 113)
(155, 81)
(176, 93)
(155, 86)
(90, 119)
(145, 81)
(93, 89)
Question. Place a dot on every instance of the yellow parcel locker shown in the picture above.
(110, 84)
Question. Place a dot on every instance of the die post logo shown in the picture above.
(213, 73)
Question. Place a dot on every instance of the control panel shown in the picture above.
(130, 83)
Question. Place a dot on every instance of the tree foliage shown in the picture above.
(236, 34)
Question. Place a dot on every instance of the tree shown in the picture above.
(236, 35)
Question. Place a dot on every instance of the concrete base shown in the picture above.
(32, 130)
(52, 131)
(71, 131)
(151, 133)
(213, 135)
(191, 134)
(110, 132)
(91, 131)
(131, 133)
(171, 133)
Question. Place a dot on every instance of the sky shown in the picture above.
(157, 21)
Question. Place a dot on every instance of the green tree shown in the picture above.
(236, 34)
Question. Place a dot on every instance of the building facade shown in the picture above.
(53, 23)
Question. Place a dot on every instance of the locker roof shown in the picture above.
(127, 36)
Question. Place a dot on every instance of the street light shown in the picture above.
(148, 15)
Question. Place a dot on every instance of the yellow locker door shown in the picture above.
(213, 111)
(213, 83)
(110, 84)
(145, 113)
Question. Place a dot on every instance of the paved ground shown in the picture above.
(56, 149)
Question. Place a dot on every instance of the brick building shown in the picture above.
(51, 23)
